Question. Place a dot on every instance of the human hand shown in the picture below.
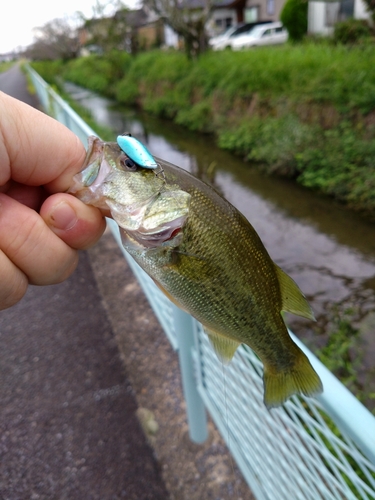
(41, 227)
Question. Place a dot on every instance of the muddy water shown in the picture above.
(328, 250)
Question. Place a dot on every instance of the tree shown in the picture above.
(371, 8)
(188, 19)
(108, 26)
(57, 39)
(294, 18)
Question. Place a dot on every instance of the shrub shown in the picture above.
(351, 31)
(303, 110)
(294, 18)
(197, 117)
(340, 164)
(98, 73)
(48, 70)
(273, 142)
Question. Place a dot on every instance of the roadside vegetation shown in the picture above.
(343, 353)
(4, 66)
(305, 111)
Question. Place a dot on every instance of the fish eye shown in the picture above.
(128, 164)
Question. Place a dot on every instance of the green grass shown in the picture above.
(320, 73)
(98, 73)
(50, 71)
(306, 111)
(4, 66)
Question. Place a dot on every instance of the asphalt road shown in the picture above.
(68, 428)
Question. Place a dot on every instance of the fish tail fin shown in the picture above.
(298, 379)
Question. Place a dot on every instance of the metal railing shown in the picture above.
(309, 449)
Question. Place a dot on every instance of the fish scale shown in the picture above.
(207, 258)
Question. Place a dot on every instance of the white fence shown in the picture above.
(309, 449)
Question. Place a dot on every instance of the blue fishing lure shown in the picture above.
(136, 151)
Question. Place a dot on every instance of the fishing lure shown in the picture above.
(136, 151)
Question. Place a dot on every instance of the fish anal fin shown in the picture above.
(293, 300)
(224, 347)
(299, 379)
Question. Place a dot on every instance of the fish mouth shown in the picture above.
(171, 231)
(149, 224)
(169, 235)
(89, 183)
(94, 170)
(95, 167)
(152, 214)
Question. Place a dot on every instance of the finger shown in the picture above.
(31, 196)
(36, 149)
(32, 246)
(13, 283)
(77, 224)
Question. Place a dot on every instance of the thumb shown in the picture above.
(78, 225)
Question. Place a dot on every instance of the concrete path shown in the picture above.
(68, 428)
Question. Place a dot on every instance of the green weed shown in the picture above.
(4, 66)
(342, 354)
(306, 111)
(98, 73)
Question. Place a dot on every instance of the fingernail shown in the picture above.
(63, 216)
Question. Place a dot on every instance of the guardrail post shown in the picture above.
(196, 413)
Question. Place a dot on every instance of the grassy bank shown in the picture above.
(306, 111)
(4, 66)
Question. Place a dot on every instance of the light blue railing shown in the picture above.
(309, 449)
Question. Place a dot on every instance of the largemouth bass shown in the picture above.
(207, 258)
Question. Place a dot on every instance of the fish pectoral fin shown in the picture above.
(191, 255)
(293, 300)
(224, 346)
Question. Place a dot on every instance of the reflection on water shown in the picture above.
(329, 251)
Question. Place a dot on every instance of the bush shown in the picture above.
(273, 142)
(352, 31)
(305, 110)
(340, 164)
(197, 117)
(98, 73)
(48, 70)
(294, 18)
(153, 80)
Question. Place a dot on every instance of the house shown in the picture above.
(131, 30)
(128, 30)
(323, 15)
(228, 13)
(145, 28)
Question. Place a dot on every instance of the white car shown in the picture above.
(266, 34)
(225, 39)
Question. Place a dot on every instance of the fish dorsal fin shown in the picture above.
(224, 346)
(293, 300)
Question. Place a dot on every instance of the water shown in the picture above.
(328, 250)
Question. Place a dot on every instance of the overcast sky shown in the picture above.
(19, 17)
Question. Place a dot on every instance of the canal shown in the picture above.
(327, 249)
